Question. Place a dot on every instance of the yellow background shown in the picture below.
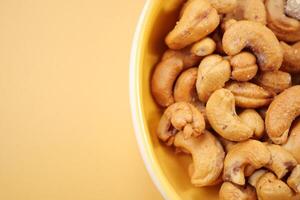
(65, 124)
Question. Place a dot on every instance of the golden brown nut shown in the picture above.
(166, 72)
(185, 87)
(261, 40)
(227, 23)
(198, 20)
(269, 187)
(250, 152)
(223, 6)
(276, 81)
(244, 66)
(291, 57)
(204, 47)
(230, 191)
(254, 121)
(249, 95)
(294, 179)
(285, 28)
(207, 154)
(181, 116)
(213, 73)
(221, 114)
(282, 161)
(293, 143)
(281, 113)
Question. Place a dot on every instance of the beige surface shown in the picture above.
(65, 127)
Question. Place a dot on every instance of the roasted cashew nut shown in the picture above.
(224, 6)
(253, 10)
(221, 114)
(207, 154)
(284, 27)
(294, 179)
(249, 153)
(185, 87)
(293, 143)
(282, 161)
(213, 73)
(230, 191)
(198, 20)
(249, 95)
(258, 38)
(254, 121)
(166, 73)
(275, 81)
(204, 47)
(254, 178)
(268, 187)
(291, 57)
(281, 113)
(181, 116)
(244, 66)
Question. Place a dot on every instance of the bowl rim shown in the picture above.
(146, 151)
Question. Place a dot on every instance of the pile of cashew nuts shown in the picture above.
(229, 88)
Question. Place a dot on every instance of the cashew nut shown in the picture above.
(213, 72)
(185, 87)
(207, 154)
(198, 20)
(230, 191)
(282, 161)
(254, 178)
(227, 144)
(285, 28)
(268, 187)
(166, 72)
(292, 8)
(204, 47)
(224, 6)
(253, 10)
(281, 113)
(276, 81)
(293, 143)
(244, 66)
(258, 38)
(291, 57)
(254, 121)
(250, 152)
(249, 95)
(294, 179)
(181, 116)
(221, 114)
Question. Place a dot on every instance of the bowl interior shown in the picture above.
(161, 18)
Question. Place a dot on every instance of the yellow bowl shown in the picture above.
(167, 170)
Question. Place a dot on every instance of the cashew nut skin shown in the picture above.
(249, 95)
(282, 161)
(244, 66)
(185, 86)
(268, 187)
(254, 121)
(275, 81)
(213, 73)
(258, 38)
(250, 152)
(204, 47)
(198, 20)
(207, 154)
(180, 116)
(284, 27)
(224, 6)
(166, 72)
(221, 114)
(293, 143)
(294, 179)
(230, 191)
(291, 57)
(281, 113)
(253, 10)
